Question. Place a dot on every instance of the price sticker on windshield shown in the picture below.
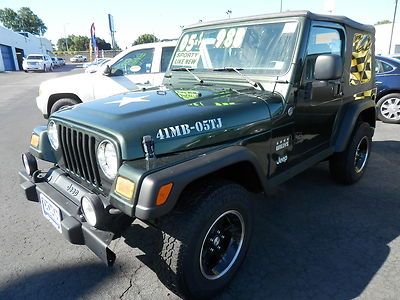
(186, 59)
(231, 38)
(225, 38)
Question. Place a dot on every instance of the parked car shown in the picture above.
(61, 61)
(78, 58)
(94, 65)
(37, 62)
(55, 62)
(388, 94)
(140, 66)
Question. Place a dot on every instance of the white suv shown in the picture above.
(140, 66)
(37, 62)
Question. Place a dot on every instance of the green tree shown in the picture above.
(383, 22)
(80, 43)
(102, 44)
(145, 38)
(23, 20)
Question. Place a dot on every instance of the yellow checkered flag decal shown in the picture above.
(361, 62)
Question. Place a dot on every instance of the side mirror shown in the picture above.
(107, 71)
(328, 67)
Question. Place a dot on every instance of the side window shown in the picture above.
(166, 55)
(378, 67)
(322, 40)
(135, 62)
(386, 67)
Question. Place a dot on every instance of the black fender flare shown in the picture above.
(182, 174)
(350, 114)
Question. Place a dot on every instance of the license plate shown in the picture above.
(51, 212)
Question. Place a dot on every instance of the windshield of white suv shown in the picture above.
(262, 48)
(35, 57)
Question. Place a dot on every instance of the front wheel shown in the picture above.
(388, 108)
(204, 244)
(61, 103)
(349, 166)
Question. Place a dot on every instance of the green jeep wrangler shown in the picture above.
(246, 104)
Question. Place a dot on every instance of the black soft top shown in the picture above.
(307, 14)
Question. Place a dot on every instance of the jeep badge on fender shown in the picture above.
(245, 105)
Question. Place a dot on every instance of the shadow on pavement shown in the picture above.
(67, 68)
(64, 283)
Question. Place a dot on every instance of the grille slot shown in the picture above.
(79, 152)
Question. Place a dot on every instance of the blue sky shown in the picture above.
(164, 18)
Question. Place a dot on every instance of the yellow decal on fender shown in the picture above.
(370, 94)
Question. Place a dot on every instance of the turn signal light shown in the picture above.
(163, 193)
(125, 187)
(34, 140)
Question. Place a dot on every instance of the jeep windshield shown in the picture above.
(265, 49)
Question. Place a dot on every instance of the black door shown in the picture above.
(318, 104)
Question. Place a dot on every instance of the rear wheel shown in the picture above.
(388, 108)
(204, 244)
(349, 166)
(61, 103)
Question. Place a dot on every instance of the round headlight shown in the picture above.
(53, 134)
(107, 159)
(29, 162)
(88, 211)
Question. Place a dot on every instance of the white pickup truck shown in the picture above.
(139, 66)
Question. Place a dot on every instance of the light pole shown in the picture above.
(394, 20)
(281, 5)
(228, 12)
(66, 38)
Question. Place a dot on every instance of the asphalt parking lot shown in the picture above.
(313, 238)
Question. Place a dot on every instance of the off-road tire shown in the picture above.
(395, 97)
(183, 237)
(60, 103)
(344, 166)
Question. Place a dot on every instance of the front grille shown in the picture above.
(79, 152)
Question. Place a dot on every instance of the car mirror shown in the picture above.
(107, 71)
(328, 67)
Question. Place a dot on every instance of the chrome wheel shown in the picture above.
(222, 245)
(390, 109)
(361, 156)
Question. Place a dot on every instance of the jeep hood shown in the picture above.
(177, 120)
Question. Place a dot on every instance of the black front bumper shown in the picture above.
(73, 227)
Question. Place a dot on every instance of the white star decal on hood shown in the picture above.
(126, 100)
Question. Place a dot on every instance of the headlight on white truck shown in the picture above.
(107, 159)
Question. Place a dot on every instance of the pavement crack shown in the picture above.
(127, 289)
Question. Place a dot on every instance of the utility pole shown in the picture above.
(394, 20)
(66, 38)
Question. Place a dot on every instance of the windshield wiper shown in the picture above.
(255, 84)
(189, 70)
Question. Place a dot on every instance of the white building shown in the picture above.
(14, 46)
(382, 36)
